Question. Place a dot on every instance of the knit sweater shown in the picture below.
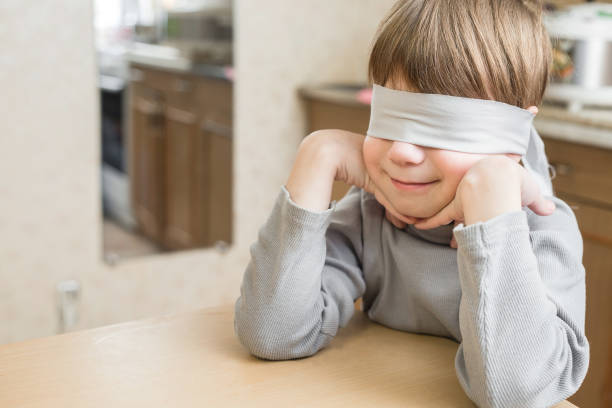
(512, 295)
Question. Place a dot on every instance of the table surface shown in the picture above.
(192, 359)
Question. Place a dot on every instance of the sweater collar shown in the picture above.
(439, 235)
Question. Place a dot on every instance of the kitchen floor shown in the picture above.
(120, 242)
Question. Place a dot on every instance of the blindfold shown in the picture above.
(461, 124)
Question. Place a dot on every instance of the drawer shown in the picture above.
(595, 222)
(596, 228)
(215, 100)
(175, 85)
(330, 115)
(149, 77)
(581, 171)
(139, 90)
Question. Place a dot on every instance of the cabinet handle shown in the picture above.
(562, 169)
(151, 110)
(216, 128)
(147, 107)
(181, 116)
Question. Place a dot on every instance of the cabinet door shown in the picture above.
(330, 115)
(182, 130)
(220, 214)
(146, 152)
(596, 226)
(214, 99)
(582, 172)
(202, 188)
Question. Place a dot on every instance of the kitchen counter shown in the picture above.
(169, 59)
(194, 359)
(592, 126)
(205, 70)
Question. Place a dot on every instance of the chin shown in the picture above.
(417, 212)
(420, 207)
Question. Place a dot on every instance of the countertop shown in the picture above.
(591, 126)
(194, 359)
(169, 59)
(224, 72)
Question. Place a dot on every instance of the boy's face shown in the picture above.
(389, 163)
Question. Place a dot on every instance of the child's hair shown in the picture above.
(485, 49)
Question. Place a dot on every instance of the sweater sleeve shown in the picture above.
(522, 309)
(302, 280)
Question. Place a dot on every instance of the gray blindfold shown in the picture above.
(460, 124)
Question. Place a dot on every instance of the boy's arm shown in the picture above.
(522, 309)
(305, 269)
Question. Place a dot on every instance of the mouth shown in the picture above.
(412, 186)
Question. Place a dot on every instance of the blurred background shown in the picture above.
(145, 141)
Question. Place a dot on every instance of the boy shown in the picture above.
(449, 236)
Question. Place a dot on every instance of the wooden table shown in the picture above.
(195, 360)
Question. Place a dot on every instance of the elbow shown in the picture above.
(269, 344)
(550, 387)
(257, 339)
(538, 385)
(527, 395)
(270, 340)
(263, 348)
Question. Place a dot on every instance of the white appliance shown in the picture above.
(201, 30)
(582, 55)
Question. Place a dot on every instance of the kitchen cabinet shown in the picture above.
(219, 146)
(147, 139)
(215, 128)
(181, 157)
(336, 114)
(583, 179)
(181, 179)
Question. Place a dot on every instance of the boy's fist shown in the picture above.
(343, 151)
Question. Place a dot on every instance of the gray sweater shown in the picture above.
(512, 295)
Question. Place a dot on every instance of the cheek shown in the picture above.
(373, 151)
(454, 165)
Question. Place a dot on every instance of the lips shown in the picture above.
(414, 187)
(412, 182)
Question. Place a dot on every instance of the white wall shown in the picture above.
(50, 211)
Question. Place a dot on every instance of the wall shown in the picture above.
(50, 225)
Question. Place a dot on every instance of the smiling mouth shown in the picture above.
(412, 186)
(412, 182)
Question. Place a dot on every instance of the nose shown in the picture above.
(404, 153)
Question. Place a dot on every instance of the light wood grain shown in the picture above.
(194, 359)
(180, 141)
(581, 171)
(596, 226)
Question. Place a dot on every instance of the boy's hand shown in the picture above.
(493, 186)
(352, 170)
(328, 155)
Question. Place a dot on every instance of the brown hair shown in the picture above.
(485, 49)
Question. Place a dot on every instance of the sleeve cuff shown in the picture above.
(304, 216)
(486, 233)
